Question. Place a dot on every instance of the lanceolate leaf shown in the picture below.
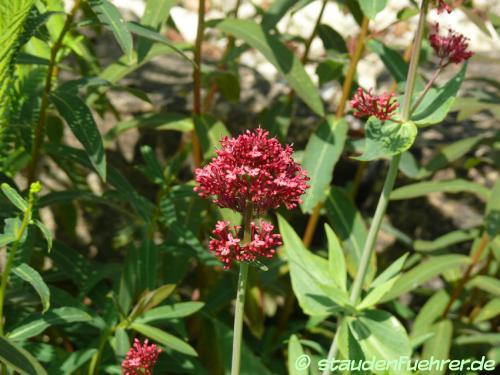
(210, 131)
(82, 124)
(438, 346)
(349, 226)
(295, 352)
(391, 59)
(322, 153)
(424, 272)
(438, 102)
(449, 186)
(19, 359)
(168, 312)
(31, 276)
(336, 261)
(164, 338)
(312, 282)
(109, 15)
(279, 55)
(37, 323)
(385, 139)
(446, 240)
(14, 197)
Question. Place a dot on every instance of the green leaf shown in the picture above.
(332, 40)
(279, 55)
(168, 312)
(446, 240)
(438, 346)
(153, 36)
(438, 102)
(380, 335)
(336, 261)
(349, 226)
(479, 338)
(210, 131)
(371, 8)
(14, 197)
(322, 152)
(385, 139)
(155, 14)
(276, 11)
(487, 283)
(392, 60)
(420, 189)
(37, 323)
(390, 271)
(489, 311)
(11, 229)
(45, 231)
(31, 276)
(13, 15)
(492, 213)
(110, 16)
(424, 272)
(82, 124)
(164, 338)
(72, 363)
(449, 154)
(19, 359)
(376, 294)
(157, 121)
(150, 299)
(295, 356)
(312, 282)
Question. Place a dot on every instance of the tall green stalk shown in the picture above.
(34, 190)
(369, 246)
(239, 311)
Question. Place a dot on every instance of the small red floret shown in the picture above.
(452, 48)
(140, 359)
(367, 104)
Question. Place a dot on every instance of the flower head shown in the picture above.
(252, 168)
(228, 248)
(140, 359)
(442, 6)
(451, 48)
(367, 104)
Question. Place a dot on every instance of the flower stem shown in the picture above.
(34, 189)
(346, 89)
(40, 128)
(197, 80)
(426, 88)
(388, 183)
(239, 311)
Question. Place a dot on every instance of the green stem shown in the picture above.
(426, 89)
(40, 128)
(388, 183)
(34, 189)
(239, 311)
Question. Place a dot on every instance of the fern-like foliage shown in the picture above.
(13, 15)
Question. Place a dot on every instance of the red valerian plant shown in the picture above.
(367, 104)
(227, 247)
(452, 48)
(252, 168)
(250, 174)
(140, 359)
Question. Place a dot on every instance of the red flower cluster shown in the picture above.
(443, 7)
(226, 244)
(451, 48)
(368, 104)
(252, 168)
(140, 359)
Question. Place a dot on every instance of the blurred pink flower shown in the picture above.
(367, 104)
(252, 168)
(442, 6)
(140, 360)
(228, 248)
(451, 48)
